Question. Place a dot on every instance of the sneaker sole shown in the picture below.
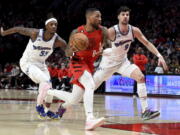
(51, 118)
(42, 118)
(55, 119)
(101, 122)
(153, 116)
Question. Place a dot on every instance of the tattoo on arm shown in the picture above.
(27, 31)
(106, 41)
(60, 43)
(74, 31)
(31, 32)
(68, 50)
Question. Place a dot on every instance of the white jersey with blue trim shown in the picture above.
(39, 50)
(121, 44)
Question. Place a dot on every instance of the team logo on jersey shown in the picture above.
(122, 42)
(40, 48)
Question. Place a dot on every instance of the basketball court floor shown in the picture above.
(18, 116)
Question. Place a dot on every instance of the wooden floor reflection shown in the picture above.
(18, 116)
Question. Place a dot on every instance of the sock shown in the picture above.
(46, 109)
(43, 88)
(141, 87)
(88, 82)
(90, 116)
(88, 103)
(144, 104)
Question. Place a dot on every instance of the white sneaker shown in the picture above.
(94, 123)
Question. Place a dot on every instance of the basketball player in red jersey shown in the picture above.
(82, 68)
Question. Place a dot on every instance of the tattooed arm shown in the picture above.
(31, 32)
(59, 42)
(106, 41)
(69, 50)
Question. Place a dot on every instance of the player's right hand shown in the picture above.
(2, 31)
(162, 62)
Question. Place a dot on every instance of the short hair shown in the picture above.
(90, 10)
(123, 9)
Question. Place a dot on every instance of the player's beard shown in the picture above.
(125, 22)
(96, 26)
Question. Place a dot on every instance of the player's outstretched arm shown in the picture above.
(69, 50)
(31, 32)
(138, 34)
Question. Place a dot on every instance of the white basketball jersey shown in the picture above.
(39, 50)
(121, 44)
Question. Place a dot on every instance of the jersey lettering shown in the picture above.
(122, 43)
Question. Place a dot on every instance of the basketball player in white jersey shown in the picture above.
(115, 59)
(40, 47)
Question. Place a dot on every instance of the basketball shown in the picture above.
(79, 41)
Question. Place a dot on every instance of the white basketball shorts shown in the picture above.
(36, 71)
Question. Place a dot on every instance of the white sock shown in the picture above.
(88, 82)
(142, 96)
(88, 103)
(144, 104)
(46, 109)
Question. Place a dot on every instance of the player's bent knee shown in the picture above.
(141, 79)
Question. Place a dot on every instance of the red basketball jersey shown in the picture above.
(95, 44)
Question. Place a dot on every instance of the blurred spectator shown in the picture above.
(53, 70)
(161, 20)
(64, 78)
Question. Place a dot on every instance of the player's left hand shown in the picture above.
(162, 62)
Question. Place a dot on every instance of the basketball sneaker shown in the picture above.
(91, 124)
(41, 112)
(52, 115)
(149, 114)
(61, 111)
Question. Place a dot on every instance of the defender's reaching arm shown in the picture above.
(31, 32)
(139, 35)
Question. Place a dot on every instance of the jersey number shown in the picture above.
(43, 53)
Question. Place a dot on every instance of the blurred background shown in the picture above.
(159, 20)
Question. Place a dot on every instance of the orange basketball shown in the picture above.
(79, 41)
